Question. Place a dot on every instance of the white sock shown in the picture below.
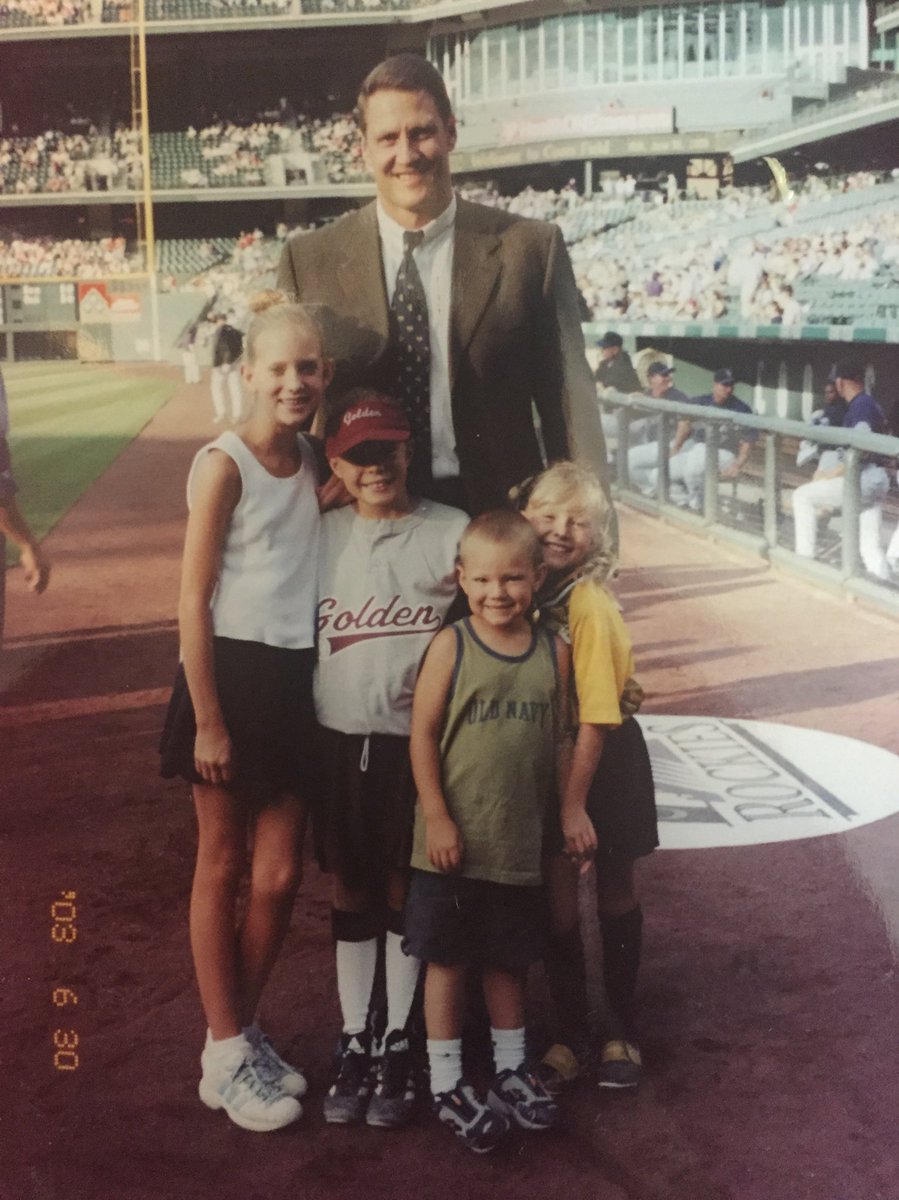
(225, 1050)
(401, 971)
(355, 976)
(508, 1048)
(445, 1061)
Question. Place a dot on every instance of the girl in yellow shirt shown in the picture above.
(608, 803)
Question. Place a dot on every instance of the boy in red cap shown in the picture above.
(386, 580)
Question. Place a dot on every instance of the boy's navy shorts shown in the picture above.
(455, 921)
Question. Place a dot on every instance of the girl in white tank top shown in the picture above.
(237, 718)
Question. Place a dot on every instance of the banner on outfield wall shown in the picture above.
(606, 122)
(98, 306)
(740, 783)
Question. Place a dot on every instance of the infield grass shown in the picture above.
(68, 422)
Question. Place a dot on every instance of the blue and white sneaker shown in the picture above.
(271, 1067)
(248, 1100)
(470, 1119)
(520, 1096)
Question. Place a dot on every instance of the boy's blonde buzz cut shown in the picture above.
(503, 527)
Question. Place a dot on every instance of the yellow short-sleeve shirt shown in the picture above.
(601, 653)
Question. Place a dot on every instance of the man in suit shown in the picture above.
(503, 329)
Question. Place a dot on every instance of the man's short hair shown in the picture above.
(404, 73)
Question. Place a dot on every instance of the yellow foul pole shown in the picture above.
(140, 120)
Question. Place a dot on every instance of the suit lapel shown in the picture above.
(476, 270)
(360, 274)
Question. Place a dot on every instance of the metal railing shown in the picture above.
(753, 508)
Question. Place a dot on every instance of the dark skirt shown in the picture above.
(621, 800)
(266, 697)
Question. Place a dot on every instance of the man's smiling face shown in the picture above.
(406, 145)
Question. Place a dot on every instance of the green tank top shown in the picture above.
(497, 753)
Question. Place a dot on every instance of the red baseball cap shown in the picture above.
(373, 419)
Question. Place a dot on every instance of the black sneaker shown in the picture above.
(393, 1099)
(470, 1119)
(350, 1090)
(520, 1096)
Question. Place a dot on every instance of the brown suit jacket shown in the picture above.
(515, 338)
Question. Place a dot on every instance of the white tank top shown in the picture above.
(268, 582)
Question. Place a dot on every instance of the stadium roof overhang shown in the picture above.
(824, 126)
(888, 19)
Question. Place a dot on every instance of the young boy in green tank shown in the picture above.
(486, 723)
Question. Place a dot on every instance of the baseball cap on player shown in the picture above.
(610, 339)
(659, 368)
(724, 375)
(372, 417)
(850, 368)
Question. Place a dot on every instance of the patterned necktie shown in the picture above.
(412, 348)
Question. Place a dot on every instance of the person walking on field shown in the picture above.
(468, 315)
(226, 352)
(13, 525)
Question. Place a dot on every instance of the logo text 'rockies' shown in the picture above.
(393, 619)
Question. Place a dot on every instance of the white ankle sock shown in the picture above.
(508, 1048)
(445, 1061)
(355, 976)
(401, 971)
(225, 1050)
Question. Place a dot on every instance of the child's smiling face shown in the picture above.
(374, 474)
(565, 532)
(499, 580)
(288, 373)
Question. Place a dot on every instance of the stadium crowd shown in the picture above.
(264, 151)
(37, 258)
(70, 162)
(23, 13)
(637, 255)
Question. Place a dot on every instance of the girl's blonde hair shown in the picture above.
(271, 308)
(576, 486)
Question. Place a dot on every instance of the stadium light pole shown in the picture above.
(139, 105)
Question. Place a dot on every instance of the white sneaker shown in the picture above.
(271, 1067)
(249, 1101)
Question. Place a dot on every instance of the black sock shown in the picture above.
(563, 962)
(622, 940)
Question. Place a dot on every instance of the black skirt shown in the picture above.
(621, 801)
(266, 697)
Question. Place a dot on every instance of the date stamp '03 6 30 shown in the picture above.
(64, 931)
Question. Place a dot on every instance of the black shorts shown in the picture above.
(265, 693)
(364, 811)
(455, 921)
(621, 800)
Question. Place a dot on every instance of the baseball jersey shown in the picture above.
(729, 436)
(384, 589)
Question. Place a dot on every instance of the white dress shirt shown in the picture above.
(434, 259)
